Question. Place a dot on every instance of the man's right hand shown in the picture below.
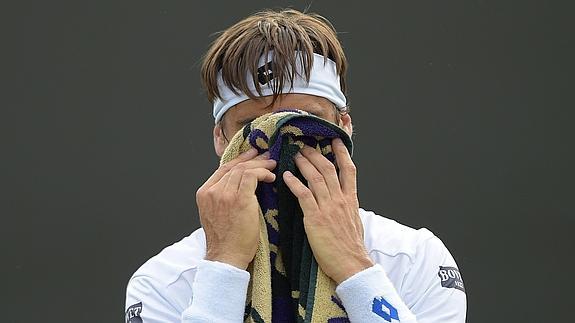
(229, 209)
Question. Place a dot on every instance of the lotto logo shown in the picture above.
(383, 309)
(451, 278)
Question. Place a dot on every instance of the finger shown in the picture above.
(348, 172)
(315, 179)
(301, 192)
(231, 180)
(265, 155)
(250, 178)
(325, 167)
(257, 163)
(225, 168)
(237, 172)
(221, 185)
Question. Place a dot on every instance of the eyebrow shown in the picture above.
(317, 111)
(320, 111)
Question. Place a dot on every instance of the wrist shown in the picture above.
(352, 268)
(238, 262)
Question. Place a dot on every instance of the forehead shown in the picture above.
(250, 109)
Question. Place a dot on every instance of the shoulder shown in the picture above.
(404, 252)
(390, 238)
(169, 275)
(175, 260)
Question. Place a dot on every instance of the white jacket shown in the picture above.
(415, 279)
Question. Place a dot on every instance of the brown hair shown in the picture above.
(238, 49)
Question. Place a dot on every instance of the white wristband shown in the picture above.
(369, 296)
(219, 293)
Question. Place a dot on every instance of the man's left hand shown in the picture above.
(331, 211)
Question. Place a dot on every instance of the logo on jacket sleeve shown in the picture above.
(451, 278)
(133, 313)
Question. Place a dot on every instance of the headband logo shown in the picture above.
(265, 73)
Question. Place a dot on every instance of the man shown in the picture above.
(384, 271)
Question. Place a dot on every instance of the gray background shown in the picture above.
(462, 111)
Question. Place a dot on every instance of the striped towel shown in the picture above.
(286, 283)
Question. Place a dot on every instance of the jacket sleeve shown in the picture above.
(433, 291)
(433, 287)
(219, 294)
(146, 301)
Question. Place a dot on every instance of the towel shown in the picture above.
(286, 283)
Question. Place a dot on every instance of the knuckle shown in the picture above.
(211, 192)
(342, 149)
(200, 196)
(241, 166)
(305, 193)
(250, 173)
(317, 179)
(225, 168)
(350, 167)
(328, 167)
(235, 172)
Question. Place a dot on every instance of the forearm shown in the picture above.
(219, 294)
(369, 296)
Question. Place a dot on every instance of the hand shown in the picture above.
(331, 211)
(229, 209)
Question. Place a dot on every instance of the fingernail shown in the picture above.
(266, 154)
(338, 141)
(298, 155)
(287, 173)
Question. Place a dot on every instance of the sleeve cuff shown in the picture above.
(219, 293)
(369, 296)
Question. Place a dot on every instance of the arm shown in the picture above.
(228, 210)
(433, 291)
(335, 234)
(146, 301)
(434, 286)
(369, 296)
(219, 295)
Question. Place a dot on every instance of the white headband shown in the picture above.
(323, 82)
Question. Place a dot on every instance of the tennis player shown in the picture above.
(383, 271)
